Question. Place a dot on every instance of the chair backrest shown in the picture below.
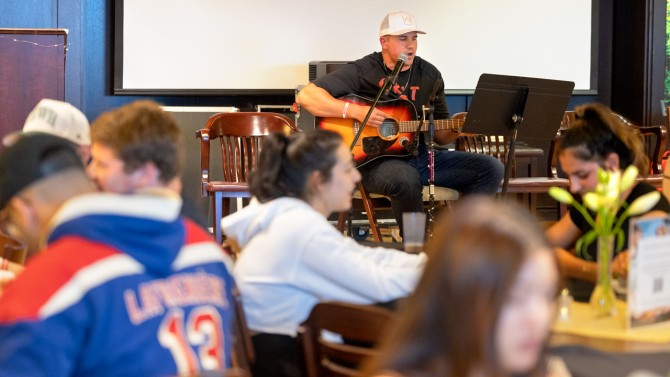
(360, 327)
(654, 139)
(243, 348)
(241, 137)
(492, 145)
(568, 119)
(495, 146)
(460, 115)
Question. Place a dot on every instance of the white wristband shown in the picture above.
(344, 112)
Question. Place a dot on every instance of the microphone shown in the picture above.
(402, 58)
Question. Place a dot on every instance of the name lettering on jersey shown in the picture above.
(152, 299)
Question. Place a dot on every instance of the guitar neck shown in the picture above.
(440, 124)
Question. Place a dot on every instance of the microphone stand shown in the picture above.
(430, 109)
(517, 118)
(387, 85)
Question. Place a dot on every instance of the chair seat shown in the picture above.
(442, 194)
(229, 187)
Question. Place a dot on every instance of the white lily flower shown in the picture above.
(644, 203)
(561, 195)
(592, 201)
(613, 185)
(628, 177)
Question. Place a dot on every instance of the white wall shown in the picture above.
(267, 44)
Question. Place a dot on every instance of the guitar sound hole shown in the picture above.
(389, 129)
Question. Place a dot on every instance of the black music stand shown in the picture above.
(525, 108)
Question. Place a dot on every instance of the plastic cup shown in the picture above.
(414, 231)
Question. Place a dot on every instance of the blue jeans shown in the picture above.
(402, 179)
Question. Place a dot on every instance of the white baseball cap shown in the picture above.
(57, 118)
(397, 23)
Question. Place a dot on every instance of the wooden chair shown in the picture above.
(243, 349)
(371, 202)
(360, 326)
(241, 138)
(497, 146)
(654, 139)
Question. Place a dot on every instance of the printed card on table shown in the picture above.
(649, 272)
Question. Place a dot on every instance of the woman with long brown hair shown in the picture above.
(485, 302)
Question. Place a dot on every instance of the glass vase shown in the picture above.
(603, 299)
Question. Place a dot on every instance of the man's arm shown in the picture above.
(320, 103)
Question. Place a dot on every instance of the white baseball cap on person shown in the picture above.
(57, 118)
(397, 23)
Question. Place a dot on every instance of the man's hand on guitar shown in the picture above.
(376, 118)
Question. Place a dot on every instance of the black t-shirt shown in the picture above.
(365, 76)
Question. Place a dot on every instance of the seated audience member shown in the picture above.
(56, 118)
(138, 147)
(484, 305)
(597, 139)
(61, 119)
(292, 258)
(122, 285)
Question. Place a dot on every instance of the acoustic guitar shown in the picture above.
(396, 135)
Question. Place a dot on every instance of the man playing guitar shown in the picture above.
(387, 169)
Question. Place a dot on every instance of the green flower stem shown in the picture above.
(603, 300)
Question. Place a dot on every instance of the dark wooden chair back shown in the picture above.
(654, 139)
(243, 348)
(360, 326)
(497, 147)
(240, 138)
(492, 145)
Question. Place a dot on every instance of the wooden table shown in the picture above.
(609, 334)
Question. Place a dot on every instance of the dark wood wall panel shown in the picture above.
(32, 67)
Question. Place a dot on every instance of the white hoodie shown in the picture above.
(292, 258)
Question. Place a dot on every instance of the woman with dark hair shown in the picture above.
(597, 139)
(484, 305)
(292, 258)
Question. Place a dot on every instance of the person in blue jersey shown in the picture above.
(400, 177)
(121, 284)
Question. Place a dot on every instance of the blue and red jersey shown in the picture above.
(125, 287)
